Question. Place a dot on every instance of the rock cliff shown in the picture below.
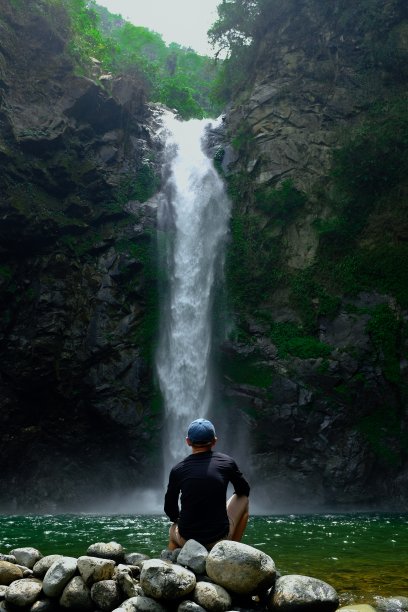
(76, 274)
(305, 362)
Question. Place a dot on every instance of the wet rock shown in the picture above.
(106, 595)
(212, 597)
(295, 592)
(26, 556)
(58, 576)
(194, 556)
(24, 592)
(43, 565)
(93, 569)
(240, 568)
(9, 572)
(107, 550)
(76, 595)
(166, 581)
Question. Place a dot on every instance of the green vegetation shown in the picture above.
(382, 429)
(291, 340)
(172, 74)
(282, 202)
(384, 329)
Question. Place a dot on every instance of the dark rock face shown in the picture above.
(75, 387)
(328, 431)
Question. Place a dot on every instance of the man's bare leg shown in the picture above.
(175, 539)
(238, 511)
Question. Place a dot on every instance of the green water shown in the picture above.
(361, 555)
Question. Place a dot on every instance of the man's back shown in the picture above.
(202, 479)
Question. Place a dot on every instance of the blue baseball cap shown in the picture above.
(201, 431)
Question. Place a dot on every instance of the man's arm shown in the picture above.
(238, 481)
(171, 506)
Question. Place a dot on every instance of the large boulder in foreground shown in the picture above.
(76, 595)
(194, 556)
(162, 580)
(240, 568)
(295, 593)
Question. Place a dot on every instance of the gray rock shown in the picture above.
(26, 556)
(212, 597)
(9, 572)
(128, 584)
(43, 565)
(240, 568)
(106, 595)
(141, 604)
(107, 550)
(194, 556)
(58, 576)
(9, 558)
(294, 591)
(391, 604)
(189, 606)
(135, 557)
(166, 581)
(76, 595)
(93, 569)
(3, 589)
(24, 592)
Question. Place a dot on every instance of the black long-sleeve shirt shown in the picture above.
(202, 479)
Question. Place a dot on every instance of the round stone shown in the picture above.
(163, 580)
(296, 591)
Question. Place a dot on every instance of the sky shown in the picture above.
(182, 21)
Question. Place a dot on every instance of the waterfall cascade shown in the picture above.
(192, 228)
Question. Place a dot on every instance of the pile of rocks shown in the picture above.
(233, 576)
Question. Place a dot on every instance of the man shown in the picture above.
(202, 479)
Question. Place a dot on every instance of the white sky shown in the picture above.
(182, 21)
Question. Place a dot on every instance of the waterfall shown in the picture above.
(192, 228)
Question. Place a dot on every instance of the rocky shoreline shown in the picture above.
(232, 576)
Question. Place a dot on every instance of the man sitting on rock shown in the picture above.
(202, 479)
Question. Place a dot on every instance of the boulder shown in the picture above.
(3, 590)
(295, 592)
(166, 581)
(240, 568)
(129, 586)
(24, 592)
(58, 576)
(212, 597)
(43, 565)
(9, 572)
(27, 573)
(391, 604)
(141, 604)
(107, 550)
(106, 595)
(26, 556)
(93, 569)
(9, 558)
(76, 595)
(194, 556)
(135, 557)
